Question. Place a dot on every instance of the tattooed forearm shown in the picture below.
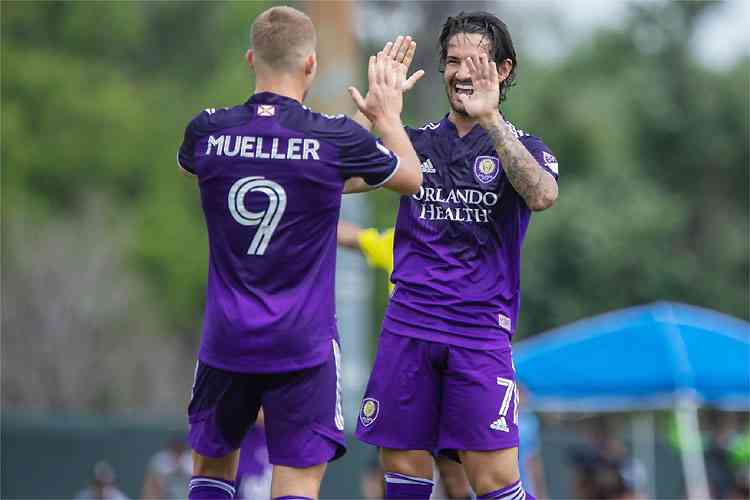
(535, 185)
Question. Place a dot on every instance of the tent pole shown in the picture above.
(644, 448)
(693, 463)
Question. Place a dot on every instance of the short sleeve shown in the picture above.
(198, 127)
(542, 154)
(185, 153)
(362, 155)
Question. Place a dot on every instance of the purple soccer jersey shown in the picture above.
(271, 174)
(457, 248)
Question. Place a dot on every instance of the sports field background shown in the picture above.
(104, 249)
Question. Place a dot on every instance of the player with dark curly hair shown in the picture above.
(443, 380)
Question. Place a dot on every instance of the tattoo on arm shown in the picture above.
(535, 185)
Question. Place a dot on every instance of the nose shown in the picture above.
(463, 71)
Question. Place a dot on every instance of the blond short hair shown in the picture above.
(281, 37)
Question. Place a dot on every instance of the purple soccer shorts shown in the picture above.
(431, 396)
(303, 418)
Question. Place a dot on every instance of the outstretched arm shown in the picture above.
(535, 185)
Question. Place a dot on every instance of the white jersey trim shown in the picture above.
(398, 164)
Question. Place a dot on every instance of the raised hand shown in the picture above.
(384, 100)
(401, 50)
(483, 102)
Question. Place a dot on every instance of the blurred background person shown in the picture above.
(169, 471)
(603, 467)
(102, 486)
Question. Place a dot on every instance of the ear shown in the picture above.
(503, 70)
(250, 56)
(311, 63)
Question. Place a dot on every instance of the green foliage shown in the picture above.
(653, 152)
(95, 100)
(653, 149)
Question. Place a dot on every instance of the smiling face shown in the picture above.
(461, 46)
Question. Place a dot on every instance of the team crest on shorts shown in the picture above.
(486, 168)
(369, 411)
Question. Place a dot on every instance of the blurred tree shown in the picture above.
(653, 152)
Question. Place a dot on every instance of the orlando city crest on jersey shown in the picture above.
(486, 169)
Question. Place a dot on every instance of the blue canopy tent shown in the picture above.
(662, 355)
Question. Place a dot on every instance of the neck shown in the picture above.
(463, 123)
(284, 85)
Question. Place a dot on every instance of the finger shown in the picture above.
(388, 47)
(395, 46)
(493, 76)
(485, 66)
(359, 101)
(379, 70)
(408, 84)
(371, 77)
(472, 67)
(409, 56)
(402, 49)
(390, 72)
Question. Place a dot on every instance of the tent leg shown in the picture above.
(693, 463)
(644, 448)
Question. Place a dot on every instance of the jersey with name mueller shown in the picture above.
(457, 249)
(271, 174)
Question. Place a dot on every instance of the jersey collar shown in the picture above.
(270, 98)
(450, 129)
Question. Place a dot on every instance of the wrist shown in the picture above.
(491, 120)
(385, 123)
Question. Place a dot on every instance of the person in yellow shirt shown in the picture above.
(377, 248)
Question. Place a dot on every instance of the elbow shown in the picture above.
(543, 201)
(416, 183)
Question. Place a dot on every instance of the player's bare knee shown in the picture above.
(223, 467)
(416, 463)
(296, 481)
(490, 470)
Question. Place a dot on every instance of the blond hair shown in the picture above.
(281, 37)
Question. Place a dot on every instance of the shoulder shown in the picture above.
(536, 146)
(212, 119)
(338, 130)
(428, 128)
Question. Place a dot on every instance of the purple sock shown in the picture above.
(513, 492)
(210, 488)
(403, 486)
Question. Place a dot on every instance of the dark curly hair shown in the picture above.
(491, 28)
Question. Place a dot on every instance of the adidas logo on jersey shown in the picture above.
(427, 167)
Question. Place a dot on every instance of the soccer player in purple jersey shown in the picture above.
(443, 379)
(271, 175)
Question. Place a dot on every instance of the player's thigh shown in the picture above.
(303, 415)
(222, 408)
(401, 404)
(297, 482)
(480, 410)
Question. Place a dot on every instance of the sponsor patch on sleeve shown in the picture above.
(550, 161)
